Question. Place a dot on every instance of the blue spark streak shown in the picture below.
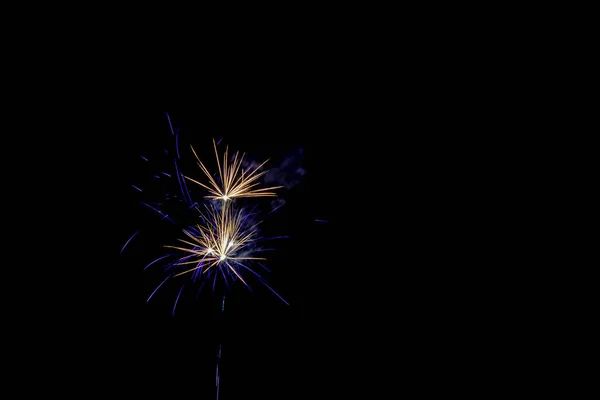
(158, 259)
(177, 299)
(170, 126)
(157, 288)
(126, 243)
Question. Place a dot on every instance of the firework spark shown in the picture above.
(233, 181)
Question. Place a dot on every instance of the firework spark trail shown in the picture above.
(177, 299)
(276, 208)
(129, 240)
(179, 179)
(170, 125)
(158, 211)
(276, 237)
(158, 287)
(265, 268)
(186, 188)
(235, 182)
(158, 259)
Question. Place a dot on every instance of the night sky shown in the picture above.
(380, 295)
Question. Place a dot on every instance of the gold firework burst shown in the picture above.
(234, 181)
(222, 241)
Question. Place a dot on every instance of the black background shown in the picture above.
(375, 293)
(385, 297)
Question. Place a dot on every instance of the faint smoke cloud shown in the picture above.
(288, 173)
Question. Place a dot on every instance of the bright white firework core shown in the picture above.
(222, 257)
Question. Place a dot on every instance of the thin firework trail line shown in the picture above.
(218, 374)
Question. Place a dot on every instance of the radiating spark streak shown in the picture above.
(148, 205)
(179, 179)
(187, 192)
(275, 293)
(181, 262)
(254, 272)
(214, 262)
(143, 158)
(166, 174)
(170, 126)
(126, 243)
(238, 275)
(177, 299)
(197, 275)
(224, 277)
(197, 262)
(276, 208)
(135, 187)
(218, 164)
(263, 282)
(168, 218)
(220, 140)
(158, 259)
(268, 270)
(177, 143)
(193, 250)
(158, 287)
(198, 183)
(276, 237)
(158, 211)
(320, 220)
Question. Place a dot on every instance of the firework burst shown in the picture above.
(224, 241)
(233, 180)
